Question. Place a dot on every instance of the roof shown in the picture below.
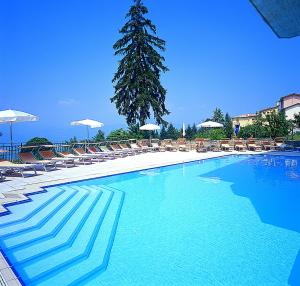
(283, 16)
(291, 94)
(293, 105)
(269, 108)
(245, 115)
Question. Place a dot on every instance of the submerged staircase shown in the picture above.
(66, 238)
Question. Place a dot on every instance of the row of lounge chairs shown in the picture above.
(47, 158)
(251, 144)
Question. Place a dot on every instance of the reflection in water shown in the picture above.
(294, 279)
(276, 195)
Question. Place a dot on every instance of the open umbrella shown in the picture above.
(13, 116)
(210, 124)
(89, 124)
(150, 127)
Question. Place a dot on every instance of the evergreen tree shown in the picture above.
(135, 132)
(189, 133)
(138, 90)
(163, 133)
(99, 136)
(172, 132)
(228, 126)
(218, 116)
(194, 131)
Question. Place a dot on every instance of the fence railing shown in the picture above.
(11, 152)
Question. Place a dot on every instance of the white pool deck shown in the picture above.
(14, 189)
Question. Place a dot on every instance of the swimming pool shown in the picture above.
(226, 221)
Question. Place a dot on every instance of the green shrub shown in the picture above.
(36, 141)
(118, 134)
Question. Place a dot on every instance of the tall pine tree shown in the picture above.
(138, 91)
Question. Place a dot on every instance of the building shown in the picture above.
(290, 104)
(268, 111)
(243, 120)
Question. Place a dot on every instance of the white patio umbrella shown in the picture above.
(89, 123)
(150, 127)
(13, 116)
(183, 130)
(210, 124)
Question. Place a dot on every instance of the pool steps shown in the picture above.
(53, 225)
(39, 219)
(62, 239)
(52, 248)
(15, 221)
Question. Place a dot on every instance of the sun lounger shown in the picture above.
(116, 148)
(239, 145)
(267, 145)
(2, 177)
(49, 155)
(215, 146)
(168, 144)
(136, 148)
(145, 147)
(158, 147)
(280, 145)
(95, 151)
(81, 159)
(225, 146)
(200, 148)
(181, 143)
(106, 150)
(95, 157)
(16, 168)
(29, 158)
(125, 148)
(252, 146)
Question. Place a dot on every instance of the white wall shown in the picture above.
(290, 111)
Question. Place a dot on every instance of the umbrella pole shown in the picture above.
(11, 143)
(88, 137)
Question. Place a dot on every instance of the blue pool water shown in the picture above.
(226, 221)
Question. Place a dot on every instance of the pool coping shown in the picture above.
(8, 275)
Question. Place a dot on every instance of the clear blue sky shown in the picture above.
(56, 61)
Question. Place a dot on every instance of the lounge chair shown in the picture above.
(158, 147)
(106, 150)
(145, 146)
(81, 159)
(2, 177)
(226, 146)
(280, 145)
(267, 145)
(239, 145)
(49, 155)
(116, 148)
(135, 147)
(168, 144)
(200, 148)
(252, 146)
(29, 158)
(95, 151)
(181, 143)
(125, 148)
(8, 166)
(215, 146)
(95, 157)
